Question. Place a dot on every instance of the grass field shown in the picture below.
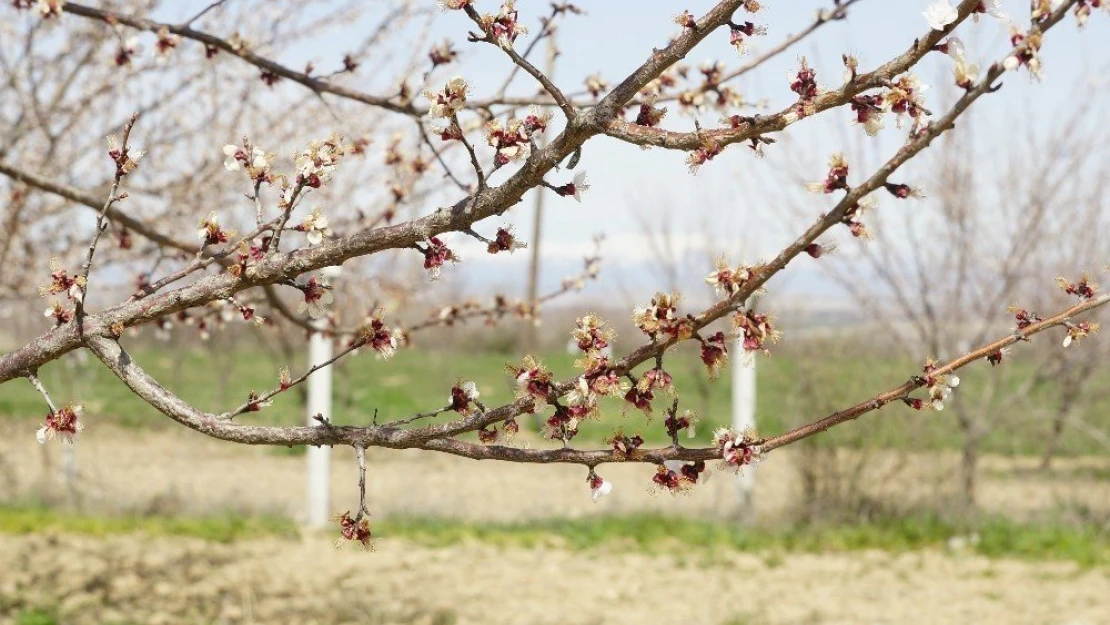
(793, 388)
(995, 537)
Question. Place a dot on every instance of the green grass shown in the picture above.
(793, 388)
(1087, 544)
(219, 528)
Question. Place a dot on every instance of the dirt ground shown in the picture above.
(135, 579)
(185, 581)
(184, 472)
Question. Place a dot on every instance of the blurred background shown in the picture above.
(995, 510)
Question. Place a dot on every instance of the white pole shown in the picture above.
(319, 403)
(743, 418)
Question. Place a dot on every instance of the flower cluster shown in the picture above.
(686, 20)
(591, 335)
(435, 255)
(1083, 289)
(316, 163)
(641, 394)
(995, 357)
(1041, 10)
(533, 380)
(837, 178)
(940, 14)
(597, 380)
(714, 351)
(447, 102)
(453, 5)
(676, 423)
(939, 386)
(165, 45)
(255, 403)
(127, 49)
(966, 73)
(737, 449)
(61, 314)
(62, 282)
(726, 280)
(211, 233)
(1023, 317)
(817, 250)
(249, 314)
(463, 394)
(1079, 330)
(317, 296)
(596, 85)
(504, 241)
(680, 480)
(708, 151)
(62, 423)
(853, 217)
(575, 187)
(512, 140)
(1028, 55)
(656, 379)
(1084, 7)
(126, 159)
(993, 9)
(442, 54)
(598, 487)
(650, 115)
(380, 337)
(694, 99)
(755, 330)
(625, 446)
(563, 424)
(804, 83)
(248, 254)
(254, 159)
(738, 32)
(47, 8)
(902, 191)
(354, 529)
(661, 319)
(315, 227)
(505, 26)
(904, 97)
(868, 110)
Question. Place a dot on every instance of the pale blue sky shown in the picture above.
(616, 36)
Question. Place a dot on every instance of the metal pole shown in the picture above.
(530, 339)
(319, 403)
(743, 417)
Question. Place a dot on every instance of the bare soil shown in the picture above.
(181, 472)
(137, 579)
(133, 579)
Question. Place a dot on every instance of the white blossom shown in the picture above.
(315, 226)
(940, 14)
(602, 488)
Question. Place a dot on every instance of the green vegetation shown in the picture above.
(1087, 544)
(221, 528)
(999, 537)
(793, 388)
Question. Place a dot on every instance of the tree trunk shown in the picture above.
(1053, 438)
(969, 462)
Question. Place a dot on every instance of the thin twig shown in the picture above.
(102, 222)
(42, 391)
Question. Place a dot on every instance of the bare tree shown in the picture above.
(938, 281)
(318, 209)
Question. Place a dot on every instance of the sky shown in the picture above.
(737, 202)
